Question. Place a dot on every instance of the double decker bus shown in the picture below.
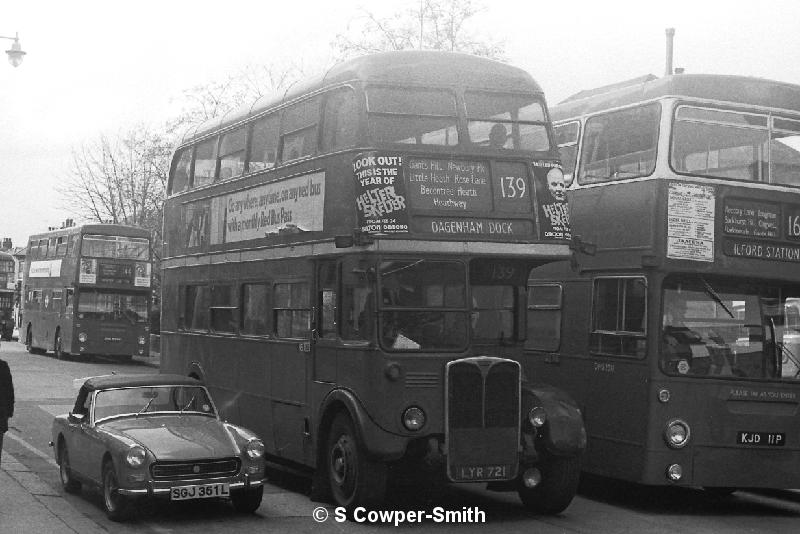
(345, 268)
(7, 287)
(87, 291)
(676, 327)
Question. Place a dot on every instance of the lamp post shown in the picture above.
(15, 53)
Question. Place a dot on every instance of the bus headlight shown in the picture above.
(677, 433)
(537, 416)
(82, 337)
(413, 418)
(255, 449)
(135, 457)
(674, 472)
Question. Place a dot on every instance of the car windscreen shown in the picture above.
(147, 400)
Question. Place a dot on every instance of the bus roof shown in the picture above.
(92, 228)
(428, 67)
(724, 88)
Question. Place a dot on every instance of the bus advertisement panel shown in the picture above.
(346, 270)
(682, 299)
(87, 291)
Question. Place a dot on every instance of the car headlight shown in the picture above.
(414, 418)
(255, 449)
(677, 433)
(135, 456)
(82, 337)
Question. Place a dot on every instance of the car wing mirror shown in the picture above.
(76, 418)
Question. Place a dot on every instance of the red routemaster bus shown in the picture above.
(676, 328)
(87, 291)
(345, 267)
(7, 291)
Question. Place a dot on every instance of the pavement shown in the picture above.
(28, 504)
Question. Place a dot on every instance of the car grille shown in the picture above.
(223, 467)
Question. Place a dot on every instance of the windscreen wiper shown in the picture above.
(716, 297)
(146, 406)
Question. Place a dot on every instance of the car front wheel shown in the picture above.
(116, 505)
(68, 482)
(247, 501)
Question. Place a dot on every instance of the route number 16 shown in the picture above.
(793, 226)
(512, 187)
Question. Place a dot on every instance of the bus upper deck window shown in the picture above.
(205, 162)
(567, 141)
(181, 170)
(509, 121)
(231, 154)
(412, 116)
(340, 120)
(264, 143)
(785, 152)
(620, 144)
(299, 130)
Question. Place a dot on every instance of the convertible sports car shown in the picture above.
(155, 436)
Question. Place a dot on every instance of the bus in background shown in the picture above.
(86, 291)
(675, 328)
(7, 291)
(345, 268)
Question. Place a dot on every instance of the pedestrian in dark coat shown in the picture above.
(6, 401)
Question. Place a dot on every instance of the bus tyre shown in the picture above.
(354, 479)
(247, 501)
(117, 506)
(58, 348)
(560, 477)
(68, 482)
(29, 344)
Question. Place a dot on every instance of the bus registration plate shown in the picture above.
(770, 439)
(199, 491)
(466, 473)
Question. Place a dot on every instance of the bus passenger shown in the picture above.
(498, 136)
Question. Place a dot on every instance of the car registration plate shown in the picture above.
(770, 439)
(199, 491)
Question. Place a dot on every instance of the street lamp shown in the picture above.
(15, 53)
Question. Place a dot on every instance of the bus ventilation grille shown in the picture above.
(422, 380)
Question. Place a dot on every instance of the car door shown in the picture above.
(88, 448)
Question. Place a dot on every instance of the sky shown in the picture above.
(102, 67)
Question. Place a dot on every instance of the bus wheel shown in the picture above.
(58, 348)
(354, 479)
(560, 477)
(29, 343)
